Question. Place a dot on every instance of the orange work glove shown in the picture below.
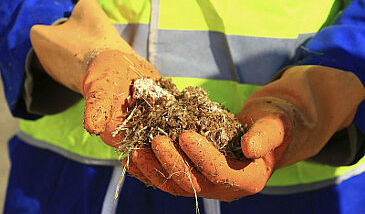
(287, 121)
(87, 55)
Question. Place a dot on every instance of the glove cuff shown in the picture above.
(64, 50)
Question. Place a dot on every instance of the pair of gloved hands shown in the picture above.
(287, 121)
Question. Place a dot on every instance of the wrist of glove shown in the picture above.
(287, 121)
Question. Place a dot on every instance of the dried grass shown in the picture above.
(158, 108)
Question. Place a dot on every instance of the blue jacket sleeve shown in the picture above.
(342, 46)
(17, 17)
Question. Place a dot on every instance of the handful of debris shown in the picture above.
(159, 108)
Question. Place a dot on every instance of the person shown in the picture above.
(306, 125)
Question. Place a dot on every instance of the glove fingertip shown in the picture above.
(190, 136)
(95, 120)
(265, 135)
(97, 113)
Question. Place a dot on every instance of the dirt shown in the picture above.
(159, 108)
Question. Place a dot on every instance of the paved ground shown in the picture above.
(8, 127)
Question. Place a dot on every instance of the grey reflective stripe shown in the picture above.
(205, 54)
(258, 59)
(218, 45)
(286, 190)
(208, 54)
(211, 206)
(153, 32)
(73, 156)
(109, 206)
(200, 54)
(136, 35)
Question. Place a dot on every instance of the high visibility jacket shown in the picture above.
(230, 48)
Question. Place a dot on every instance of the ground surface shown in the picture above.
(8, 126)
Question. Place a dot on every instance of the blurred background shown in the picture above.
(8, 126)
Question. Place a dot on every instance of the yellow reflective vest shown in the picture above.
(230, 48)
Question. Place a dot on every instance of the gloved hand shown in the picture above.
(317, 101)
(287, 121)
(87, 55)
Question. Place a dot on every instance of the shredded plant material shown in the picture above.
(159, 108)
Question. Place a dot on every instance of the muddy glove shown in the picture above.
(316, 101)
(287, 121)
(87, 55)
